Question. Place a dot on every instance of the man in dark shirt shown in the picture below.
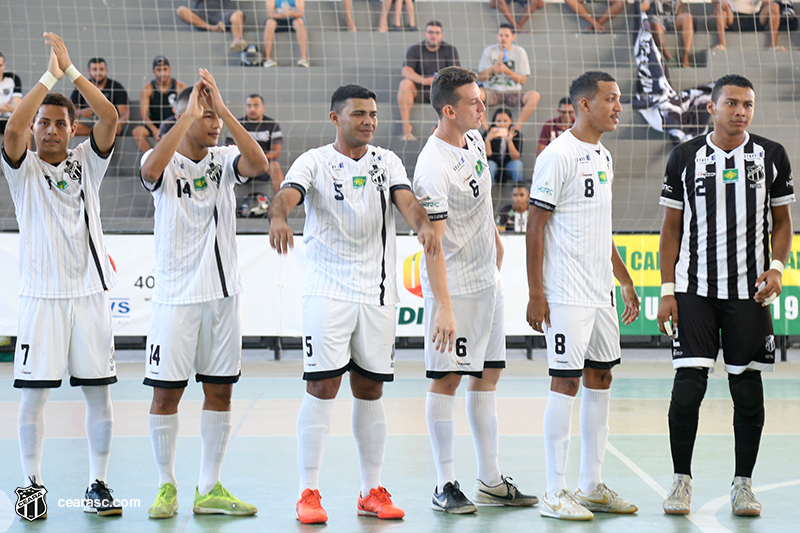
(423, 61)
(557, 125)
(10, 93)
(267, 133)
(513, 217)
(113, 90)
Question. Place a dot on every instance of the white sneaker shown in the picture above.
(565, 506)
(604, 500)
(270, 63)
(303, 63)
(504, 493)
(743, 501)
(680, 495)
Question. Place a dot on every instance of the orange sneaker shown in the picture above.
(379, 503)
(309, 510)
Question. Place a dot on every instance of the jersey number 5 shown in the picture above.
(338, 187)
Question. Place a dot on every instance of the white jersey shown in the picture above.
(62, 253)
(573, 180)
(349, 230)
(455, 184)
(195, 228)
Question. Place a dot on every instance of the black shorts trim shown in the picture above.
(351, 366)
(92, 382)
(37, 384)
(374, 376)
(556, 373)
(166, 384)
(494, 364)
(439, 375)
(601, 365)
(217, 380)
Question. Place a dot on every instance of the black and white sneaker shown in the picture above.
(98, 499)
(504, 493)
(452, 500)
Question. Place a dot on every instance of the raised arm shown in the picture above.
(417, 218)
(280, 234)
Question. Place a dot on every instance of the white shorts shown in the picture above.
(69, 334)
(581, 337)
(205, 336)
(339, 336)
(480, 334)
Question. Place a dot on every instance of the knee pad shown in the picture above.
(688, 391)
(747, 392)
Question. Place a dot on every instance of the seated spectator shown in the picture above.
(216, 15)
(157, 99)
(267, 133)
(423, 61)
(513, 217)
(112, 90)
(288, 16)
(503, 148)
(503, 70)
(557, 125)
(383, 21)
(10, 93)
(348, 14)
(747, 15)
(615, 7)
(668, 15)
(504, 7)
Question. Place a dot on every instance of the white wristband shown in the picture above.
(48, 80)
(776, 265)
(72, 73)
(667, 289)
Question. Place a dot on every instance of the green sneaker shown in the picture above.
(220, 501)
(166, 503)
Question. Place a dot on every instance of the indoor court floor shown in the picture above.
(260, 467)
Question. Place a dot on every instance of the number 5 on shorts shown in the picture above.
(309, 349)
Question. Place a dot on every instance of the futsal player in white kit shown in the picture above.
(572, 263)
(350, 291)
(64, 313)
(196, 318)
(463, 295)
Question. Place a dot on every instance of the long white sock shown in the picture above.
(30, 426)
(482, 417)
(99, 430)
(313, 426)
(369, 429)
(557, 426)
(594, 435)
(440, 413)
(215, 428)
(164, 437)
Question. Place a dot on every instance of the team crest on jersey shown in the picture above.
(378, 177)
(756, 174)
(769, 343)
(214, 172)
(359, 181)
(6, 91)
(730, 175)
(602, 177)
(73, 170)
(200, 184)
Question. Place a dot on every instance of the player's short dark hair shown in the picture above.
(521, 185)
(58, 99)
(585, 85)
(348, 92)
(182, 101)
(443, 88)
(434, 23)
(2, 56)
(504, 111)
(729, 79)
(565, 101)
(508, 26)
(254, 95)
(94, 60)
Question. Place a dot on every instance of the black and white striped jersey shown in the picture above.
(726, 199)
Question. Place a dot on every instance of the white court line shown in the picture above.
(709, 511)
(250, 407)
(7, 514)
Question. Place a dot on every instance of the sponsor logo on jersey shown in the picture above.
(461, 164)
(62, 184)
(705, 160)
(200, 183)
(479, 167)
(790, 183)
(666, 187)
(602, 176)
(359, 181)
(411, 276)
(545, 190)
(706, 175)
(730, 175)
(582, 160)
(754, 156)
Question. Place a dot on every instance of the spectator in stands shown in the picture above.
(529, 5)
(503, 148)
(286, 17)
(423, 61)
(503, 70)
(10, 93)
(748, 15)
(668, 15)
(557, 125)
(615, 7)
(383, 21)
(216, 15)
(157, 100)
(348, 14)
(514, 216)
(112, 90)
(267, 133)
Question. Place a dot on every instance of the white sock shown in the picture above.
(594, 435)
(313, 426)
(557, 426)
(164, 437)
(369, 429)
(482, 417)
(440, 413)
(30, 426)
(215, 427)
(99, 430)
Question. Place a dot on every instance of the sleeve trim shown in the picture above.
(96, 150)
(669, 202)
(437, 216)
(297, 187)
(542, 204)
(401, 186)
(236, 174)
(774, 202)
(150, 186)
(8, 161)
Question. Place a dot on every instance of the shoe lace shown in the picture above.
(567, 497)
(224, 492)
(381, 494)
(610, 494)
(312, 498)
(101, 489)
(164, 491)
(746, 495)
(35, 485)
(678, 489)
